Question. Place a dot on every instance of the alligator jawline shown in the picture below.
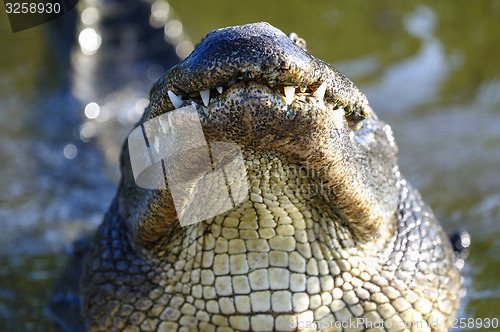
(288, 93)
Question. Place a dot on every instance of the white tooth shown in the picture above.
(289, 94)
(193, 103)
(320, 92)
(174, 99)
(338, 118)
(219, 88)
(205, 96)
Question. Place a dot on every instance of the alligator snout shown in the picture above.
(257, 52)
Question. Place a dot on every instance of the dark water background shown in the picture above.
(430, 69)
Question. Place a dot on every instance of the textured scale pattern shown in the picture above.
(275, 262)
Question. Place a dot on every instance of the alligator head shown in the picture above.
(364, 245)
(255, 86)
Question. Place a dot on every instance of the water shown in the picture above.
(430, 69)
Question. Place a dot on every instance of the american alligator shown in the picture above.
(359, 251)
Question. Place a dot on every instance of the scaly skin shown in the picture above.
(331, 231)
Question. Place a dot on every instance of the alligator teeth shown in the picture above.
(219, 88)
(320, 92)
(338, 118)
(174, 99)
(193, 103)
(289, 94)
(205, 96)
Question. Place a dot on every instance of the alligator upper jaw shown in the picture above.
(257, 52)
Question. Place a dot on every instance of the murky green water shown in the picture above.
(430, 69)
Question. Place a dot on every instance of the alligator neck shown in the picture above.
(286, 209)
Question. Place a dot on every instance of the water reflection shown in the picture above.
(89, 40)
(183, 49)
(154, 72)
(489, 93)
(92, 110)
(90, 16)
(88, 131)
(421, 22)
(173, 29)
(159, 14)
(70, 151)
(415, 81)
(113, 80)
